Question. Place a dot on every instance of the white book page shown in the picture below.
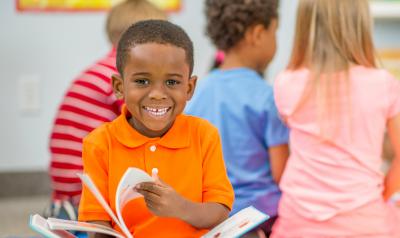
(95, 191)
(60, 224)
(39, 224)
(125, 191)
(238, 224)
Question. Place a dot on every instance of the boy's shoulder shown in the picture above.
(197, 124)
(99, 135)
(199, 130)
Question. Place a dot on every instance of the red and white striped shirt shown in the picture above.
(87, 104)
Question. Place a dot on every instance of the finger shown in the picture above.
(147, 193)
(156, 178)
(154, 173)
(150, 187)
(152, 208)
(154, 198)
(159, 181)
(151, 204)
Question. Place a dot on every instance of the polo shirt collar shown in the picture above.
(178, 135)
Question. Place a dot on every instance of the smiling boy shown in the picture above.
(192, 192)
(154, 104)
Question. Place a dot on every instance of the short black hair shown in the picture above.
(153, 31)
(228, 20)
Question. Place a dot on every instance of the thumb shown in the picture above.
(154, 175)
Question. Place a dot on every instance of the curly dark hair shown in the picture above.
(228, 20)
(154, 31)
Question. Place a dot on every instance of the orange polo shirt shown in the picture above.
(188, 158)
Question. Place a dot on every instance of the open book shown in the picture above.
(234, 226)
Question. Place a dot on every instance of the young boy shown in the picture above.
(88, 103)
(192, 192)
(237, 100)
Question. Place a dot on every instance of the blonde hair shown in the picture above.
(128, 12)
(331, 36)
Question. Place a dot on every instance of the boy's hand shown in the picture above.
(161, 199)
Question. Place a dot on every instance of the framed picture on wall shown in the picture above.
(84, 5)
(390, 59)
(385, 8)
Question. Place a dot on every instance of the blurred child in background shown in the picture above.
(337, 105)
(237, 100)
(88, 103)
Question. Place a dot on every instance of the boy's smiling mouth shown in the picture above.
(157, 112)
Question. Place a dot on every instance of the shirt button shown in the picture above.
(153, 148)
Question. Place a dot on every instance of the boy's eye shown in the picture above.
(172, 82)
(141, 81)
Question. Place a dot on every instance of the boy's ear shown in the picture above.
(254, 34)
(118, 86)
(192, 87)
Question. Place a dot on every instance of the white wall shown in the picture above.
(55, 47)
(387, 33)
(286, 24)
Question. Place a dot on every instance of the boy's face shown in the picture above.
(268, 42)
(155, 86)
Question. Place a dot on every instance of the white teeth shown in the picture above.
(156, 111)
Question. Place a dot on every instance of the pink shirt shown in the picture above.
(324, 178)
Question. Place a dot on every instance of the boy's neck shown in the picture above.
(238, 58)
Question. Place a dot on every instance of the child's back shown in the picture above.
(237, 100)
(248, 125)
(333, 182)
(324, 178)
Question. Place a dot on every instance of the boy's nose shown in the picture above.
(158, 92)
